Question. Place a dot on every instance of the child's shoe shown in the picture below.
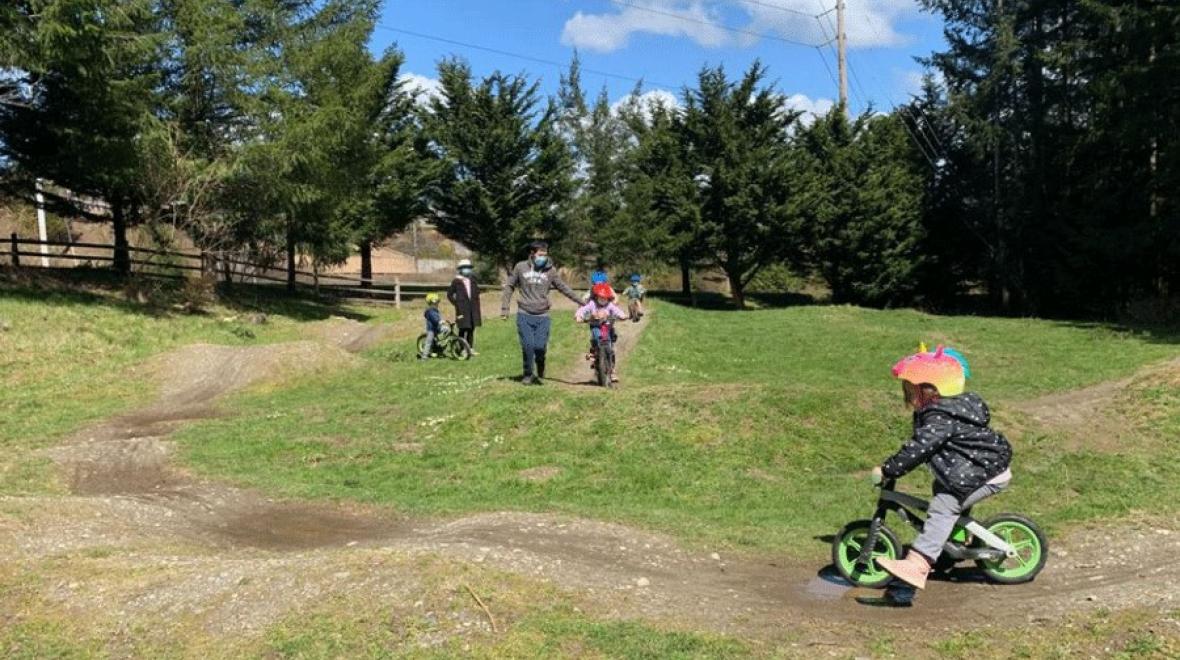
(912, 570)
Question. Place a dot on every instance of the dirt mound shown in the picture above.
(1096, 417)
(354, 336)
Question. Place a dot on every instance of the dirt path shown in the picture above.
(578, 371)
(1095, 417)
(167, 547)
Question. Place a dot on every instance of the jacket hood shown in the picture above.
(968, 408)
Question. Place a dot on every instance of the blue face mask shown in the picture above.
(540, 261)
(465, 272)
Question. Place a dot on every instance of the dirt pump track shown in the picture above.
(238, 560)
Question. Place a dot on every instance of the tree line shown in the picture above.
(1035, 168)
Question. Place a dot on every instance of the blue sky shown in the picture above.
(665, 42)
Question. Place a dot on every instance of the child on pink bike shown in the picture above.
(600, 308)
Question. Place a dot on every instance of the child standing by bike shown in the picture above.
(969, 460)
(600, 308)
(635, 297)
(433, 324)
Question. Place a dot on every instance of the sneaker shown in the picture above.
(527, 380)
(474, 352)
(614, 378)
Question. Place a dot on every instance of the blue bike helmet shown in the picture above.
(598, 277)
(635, 278)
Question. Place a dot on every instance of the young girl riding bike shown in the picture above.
(969, 460)
(600, 308)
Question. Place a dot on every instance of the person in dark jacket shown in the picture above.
(969, 460)
(464, 295)
(533, 279)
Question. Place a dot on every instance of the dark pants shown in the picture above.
(534, 338)
(469, 335)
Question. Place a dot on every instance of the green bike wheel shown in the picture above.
(846, 549)
(1032, 550)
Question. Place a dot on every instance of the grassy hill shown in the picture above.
(746, 433)
(746, 430)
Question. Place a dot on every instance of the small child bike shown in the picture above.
(447, 343)
(604, 352)
(1008, 548)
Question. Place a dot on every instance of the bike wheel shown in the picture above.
(1032, 550)
(609, 360)
(846, 549)
(421, 343)
(459, 349)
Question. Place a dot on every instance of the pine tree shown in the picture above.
(600, 144)
(735, 136)
(87, 77)
(863, 204)
(506, 171)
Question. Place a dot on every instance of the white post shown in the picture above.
(397, 293)
(42, 231)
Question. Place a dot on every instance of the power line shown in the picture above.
(730, 28)
(521, 56)
(780, 8)
(936, 147)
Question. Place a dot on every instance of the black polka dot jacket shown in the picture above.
(953, 436)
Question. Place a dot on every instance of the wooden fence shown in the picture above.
(27, 252)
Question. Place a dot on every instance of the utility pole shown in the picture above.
(841, 56)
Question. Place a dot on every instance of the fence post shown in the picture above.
(397, 290)
(15, 251)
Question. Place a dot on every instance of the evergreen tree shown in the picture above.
(86, 77)
(600, 144)
(735, 137)
(660, 220)
(863, 205)
(506, 171)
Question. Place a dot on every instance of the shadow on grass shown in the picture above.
(102, 287)
(720, 302)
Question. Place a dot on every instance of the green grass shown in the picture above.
(740, 430)
(71, 345)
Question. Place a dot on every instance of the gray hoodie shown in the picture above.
(534, 285)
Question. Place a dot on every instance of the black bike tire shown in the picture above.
(836, 548)
(421, 343)
(610, 368)
(1036, 530)
(459, 349)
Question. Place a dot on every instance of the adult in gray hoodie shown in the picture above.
(534, 278)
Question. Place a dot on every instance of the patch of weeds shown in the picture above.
(960, 645)
(35, 640)
(1143, 645)
(25, 474)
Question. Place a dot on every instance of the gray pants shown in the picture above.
(428, 346)
(945, 509)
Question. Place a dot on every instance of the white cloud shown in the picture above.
(867, 25)
(811, 108)
(609, 32)
(422, 87)
(648, 100)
